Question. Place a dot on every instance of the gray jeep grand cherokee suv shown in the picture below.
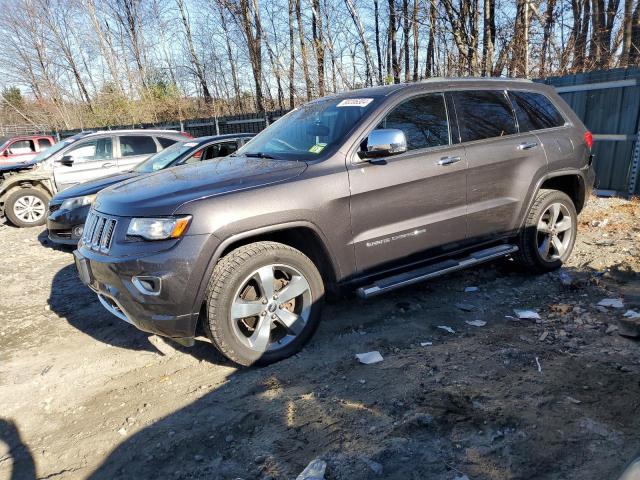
(373, 189)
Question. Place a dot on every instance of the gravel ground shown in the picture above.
(84, 395)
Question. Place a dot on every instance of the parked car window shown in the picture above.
(22, 146)
(535, 111)
(166, 142)
(92, 150)
(44, 143)
(484, 114)
(216, 150)
(422, 119)
(137, 145)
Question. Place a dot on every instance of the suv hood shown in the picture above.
(93, 186)
(163, 192)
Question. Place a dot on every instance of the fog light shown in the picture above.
(77, 231)
(147, 285)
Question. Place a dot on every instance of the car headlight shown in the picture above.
(158, 228)
(76, 202)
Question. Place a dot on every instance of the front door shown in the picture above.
(412, 202)
(85, 160)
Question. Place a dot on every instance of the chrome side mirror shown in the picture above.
(384, 142)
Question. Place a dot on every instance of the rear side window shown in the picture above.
(166, 142)
(422, 119)
(535, 111)
(137, 145)
(484, 114)
(44, 143)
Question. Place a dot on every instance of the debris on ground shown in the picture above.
(539, 366)
(471, 289)
(565, 278)
(476, 323)
(466, 307)
(527, 314)
(631, 314)
(314, 471)
(611, 302)
(446, 329)
(369, 358)
(426, 344)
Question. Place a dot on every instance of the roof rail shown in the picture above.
(471, 79)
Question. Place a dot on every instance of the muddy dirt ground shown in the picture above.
(84, 395)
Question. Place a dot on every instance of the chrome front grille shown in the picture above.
(98, 231)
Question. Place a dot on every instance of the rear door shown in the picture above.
(502, 162)
(134, 149)
(412, 202)
(85, 160)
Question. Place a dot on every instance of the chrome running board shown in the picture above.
(436, 270)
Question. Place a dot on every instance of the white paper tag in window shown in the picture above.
(191, 144)
(355, 102)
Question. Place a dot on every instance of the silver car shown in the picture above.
(24, 195)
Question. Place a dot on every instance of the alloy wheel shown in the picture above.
(555, 231)
(271, 307)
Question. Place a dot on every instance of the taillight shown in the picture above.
(185, 134)
(588, 139)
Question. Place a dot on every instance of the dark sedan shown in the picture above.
(68, 209)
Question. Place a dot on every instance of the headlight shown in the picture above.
(158, 228)
(76, 202)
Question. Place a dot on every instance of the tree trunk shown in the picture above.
(432, 39)
(250, 17)
(489, 36)
(292, 57)
(318, 43)
(197, 66)
(405, 34)
(378, 52)
(395, 67)
(626, 34)
(546, 36)
(634, 51)
(363, 39)
(232, 63)
(303, 50)
(416, 41)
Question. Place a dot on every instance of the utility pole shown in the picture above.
(526, 38)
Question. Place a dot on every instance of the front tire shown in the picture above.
(27, 207)
(263, 303)
(549, 233)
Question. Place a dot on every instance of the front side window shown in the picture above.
(137, 145)
(309, 131)
(21, 147)
(91, 150)
(535, 111)
(484, 114)
(423, 120)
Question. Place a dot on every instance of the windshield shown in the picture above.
(308, 131)
(165, 157)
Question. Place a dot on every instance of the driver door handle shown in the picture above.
(448, 160)
(527, 145)
(108, 164)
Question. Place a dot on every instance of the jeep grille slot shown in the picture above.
(98, 232)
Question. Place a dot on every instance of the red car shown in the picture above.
(23, 148)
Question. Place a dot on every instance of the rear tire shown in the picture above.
(549, 233)
(27, 207)
(263, 303)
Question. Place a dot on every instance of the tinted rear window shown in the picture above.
(422, 119)
(137, 145)
(535, 111)
(484, 114)
(166, 142)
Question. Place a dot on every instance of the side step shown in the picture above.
(436, 270)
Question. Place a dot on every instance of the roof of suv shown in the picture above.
(484, 82)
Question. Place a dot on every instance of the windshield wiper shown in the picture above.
(259, 155)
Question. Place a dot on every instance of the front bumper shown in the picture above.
(65, 226)
(167, 312)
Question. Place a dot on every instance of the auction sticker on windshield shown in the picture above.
(317, 148)
(355, 102)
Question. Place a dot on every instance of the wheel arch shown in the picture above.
(301, 235)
